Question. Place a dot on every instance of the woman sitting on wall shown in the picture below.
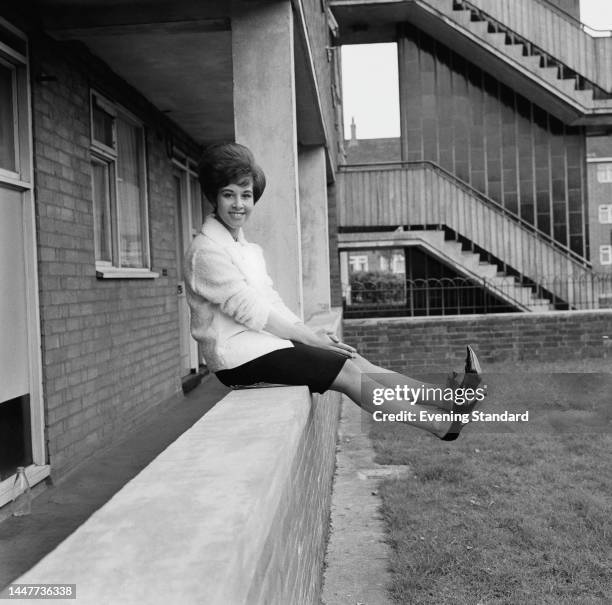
(249, 335)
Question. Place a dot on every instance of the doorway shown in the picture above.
(21, 407)
(188, 219)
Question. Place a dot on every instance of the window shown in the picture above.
(358, 263)
(119, 191)
(604, 172)
(8, 130)
(605, 213)
(605, 255)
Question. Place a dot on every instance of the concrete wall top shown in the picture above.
(247, 484)
(159, 541)
(490, 317)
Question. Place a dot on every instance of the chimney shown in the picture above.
(353, 142)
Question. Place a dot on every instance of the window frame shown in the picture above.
(604, 169)
(605, 255)
(604, 214)
(112, 201)
(7, 175)
(358, 259)
(103, 154)
(187, 166)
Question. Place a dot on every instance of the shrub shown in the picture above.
(377, 287)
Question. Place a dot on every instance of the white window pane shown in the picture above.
(102, 211)
(358, 262)
(605, 213)
(7, 116)
(130, 194)
(604, 172)
(605, 255)
(102, 126)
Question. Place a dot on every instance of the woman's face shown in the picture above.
(234, 204)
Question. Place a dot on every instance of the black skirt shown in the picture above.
(298, 365)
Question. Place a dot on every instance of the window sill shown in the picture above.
(117, 273)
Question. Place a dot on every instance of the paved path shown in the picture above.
(59, 509)
(357, 555)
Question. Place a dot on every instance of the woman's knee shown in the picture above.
(348, 377)
(365, 365)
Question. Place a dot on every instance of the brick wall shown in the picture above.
(438, 343)
(242, 497)
(110, 347)
(290, 567)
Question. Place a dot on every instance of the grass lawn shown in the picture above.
(519, 517)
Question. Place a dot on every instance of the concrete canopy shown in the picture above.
(179, 56)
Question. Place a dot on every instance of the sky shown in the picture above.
(370, 86)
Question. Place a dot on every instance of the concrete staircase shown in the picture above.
(570, 86)
(418, 194)
(450, 252)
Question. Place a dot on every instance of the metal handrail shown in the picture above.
(587, 29)
(474, 192)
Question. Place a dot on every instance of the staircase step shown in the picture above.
(515, 51)
(468, 257)
(503, 281)
(532, 62)
(480, 28)
(585, 97)
(463, 17)
(497, 39)
(487, 270)
(550, 74)
(525, 295)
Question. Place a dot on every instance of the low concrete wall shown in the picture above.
(233, 512)
(437, 343)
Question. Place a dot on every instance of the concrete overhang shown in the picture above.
(375, 21)
(179, 56)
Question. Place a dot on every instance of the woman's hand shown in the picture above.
(328, 340)
(282, 328)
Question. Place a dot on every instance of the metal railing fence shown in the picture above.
(462, 296)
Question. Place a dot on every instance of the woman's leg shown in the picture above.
(356, 380)
(392, 379)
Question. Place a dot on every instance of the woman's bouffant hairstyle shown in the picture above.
(222, 164)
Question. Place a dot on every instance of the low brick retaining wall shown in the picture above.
(235, 512)
(437, 343)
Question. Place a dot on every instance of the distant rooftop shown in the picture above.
(368, 151)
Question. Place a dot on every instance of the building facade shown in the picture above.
(103, 113)
(506, 123)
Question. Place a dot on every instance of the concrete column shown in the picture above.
(265, 121)
(313, 219)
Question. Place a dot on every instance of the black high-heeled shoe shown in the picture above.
(471, 380)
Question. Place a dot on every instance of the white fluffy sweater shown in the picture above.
(230, 295)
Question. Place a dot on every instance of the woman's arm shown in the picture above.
(279, 326)
(210, 273)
